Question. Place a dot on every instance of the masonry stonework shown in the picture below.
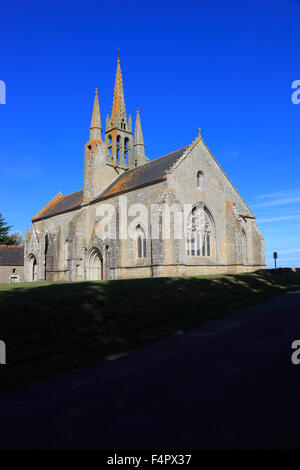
(65, 242)
(11, 264)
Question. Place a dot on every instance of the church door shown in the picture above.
(95, 267)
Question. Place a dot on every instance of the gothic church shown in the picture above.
(222, 235)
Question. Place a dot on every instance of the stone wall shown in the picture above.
(64, 244)
(7, 271)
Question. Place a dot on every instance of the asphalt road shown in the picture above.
(228, 384)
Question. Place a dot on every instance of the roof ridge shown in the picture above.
(152, 161)
(12, 246)
(145, 164)
(52, 202)
(70, 194)
(188, 149)
(66, 195)
(135, 177)
(163, 156)
(59, 203)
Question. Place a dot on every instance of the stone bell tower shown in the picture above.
(98, 172)
(118, 135)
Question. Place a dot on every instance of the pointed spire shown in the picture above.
(96, 129)
(138, 135)
(118, 109)
(129, 123)
(139, 146)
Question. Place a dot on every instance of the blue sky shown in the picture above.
(224, 66)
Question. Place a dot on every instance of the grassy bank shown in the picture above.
(49, 328)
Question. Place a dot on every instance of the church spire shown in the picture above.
(96, 129)
(118, 134)
(118, 110)
(139, 146)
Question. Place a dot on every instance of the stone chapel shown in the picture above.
(221, 236)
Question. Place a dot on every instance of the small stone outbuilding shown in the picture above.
(11, 264)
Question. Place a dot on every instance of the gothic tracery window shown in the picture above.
(199, 232)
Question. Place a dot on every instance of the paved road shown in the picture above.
(227, 384)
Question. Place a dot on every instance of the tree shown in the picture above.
(4, 229)
(15, 238)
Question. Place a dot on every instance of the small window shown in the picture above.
(141, 242)
(200, 180)
(14, 270)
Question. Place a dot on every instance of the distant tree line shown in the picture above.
(7, 238)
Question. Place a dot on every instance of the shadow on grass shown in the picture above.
(53, 327)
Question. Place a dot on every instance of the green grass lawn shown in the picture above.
(50, 328)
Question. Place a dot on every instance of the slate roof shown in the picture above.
(60, 204)
(156, 170)
(11, 255)
(151, 172)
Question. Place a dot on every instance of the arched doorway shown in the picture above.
(95, 265)
(32, 269)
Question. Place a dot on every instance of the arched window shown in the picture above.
(110, 144)
(200, 180)
(118, 148)
(126, 148)
(141, 242)
(199, 232)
